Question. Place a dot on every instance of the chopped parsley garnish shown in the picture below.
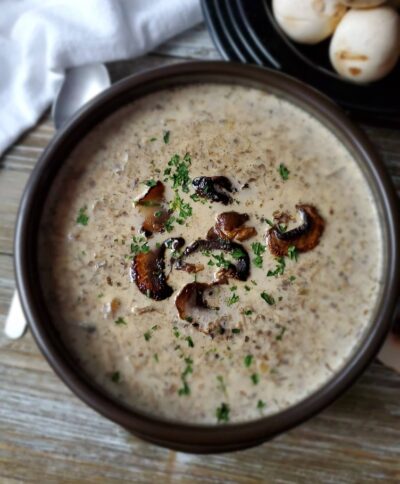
(292, 253)
(150, 183)
(248, 288)
(279, 269)
(166, 137)
(281, 333)
(261, 404)
(153, 139)
(233, 288)
(237, 253)
(268, 298)
(233, 299)
(148, 334)
(283, 171)
(100, 295)
(222, 413)
(120, 322)
(168, 224)
(83, 217)
(221, 382)
(178, 172)
(282, 228)
(221, 261)
(248, 359)
(178, 205)
(258, 250)
(253, 282)
(248, 312)
(185, 390)
(235, 330)
(189, 341)
(176, 332)
(155, 356)
(255, 378)
(116, 377)
(270, 222)
(196, 198)
(158, 213)
(138, 245)
(292, 278)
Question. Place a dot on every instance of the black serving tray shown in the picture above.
(246, 31)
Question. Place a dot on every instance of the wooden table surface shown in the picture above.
(48, 435)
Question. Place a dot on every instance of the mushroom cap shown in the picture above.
(365, 45)
(362, 3)
(308, 21)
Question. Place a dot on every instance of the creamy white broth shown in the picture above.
(323, 302)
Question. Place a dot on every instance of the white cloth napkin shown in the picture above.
(39, 39)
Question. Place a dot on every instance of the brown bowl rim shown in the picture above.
(190, 437)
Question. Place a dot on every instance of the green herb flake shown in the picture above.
(237, 253)
(221, 261)
(152, 139)
(150, 183)
(282, 228)
(261, 404)
(185, 390)
(281, 333)
(147, 335)
(235, 330)
(284, 172)
(292, 253)
(221, 382)
(268, 298)
(292, 278)
(158, 213)
(189, 341)
(120, 322)
(222, 413)
(248, 288)
(100, 295)
(233, 299)
(279, 269)
(258, 250)
(253, 282)
(83, 217)
(116, 377)
(155, 356)
(178, 172)
(255, 378)
(270, 222)
(248, 312)
(139, 245)
(248, 359)
(183, 209)
(166, 137)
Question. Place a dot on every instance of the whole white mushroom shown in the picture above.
(362, 3)
(308, 21)
(365, 45)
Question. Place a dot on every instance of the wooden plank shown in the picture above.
(194, 44)
(12, 184)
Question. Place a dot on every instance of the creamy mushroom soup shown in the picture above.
(211, 254)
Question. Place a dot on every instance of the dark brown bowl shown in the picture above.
(201, 438)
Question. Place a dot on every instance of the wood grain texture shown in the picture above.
(48, 435)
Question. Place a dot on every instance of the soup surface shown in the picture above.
(258, 328)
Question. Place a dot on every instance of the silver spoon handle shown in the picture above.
(15, 323)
